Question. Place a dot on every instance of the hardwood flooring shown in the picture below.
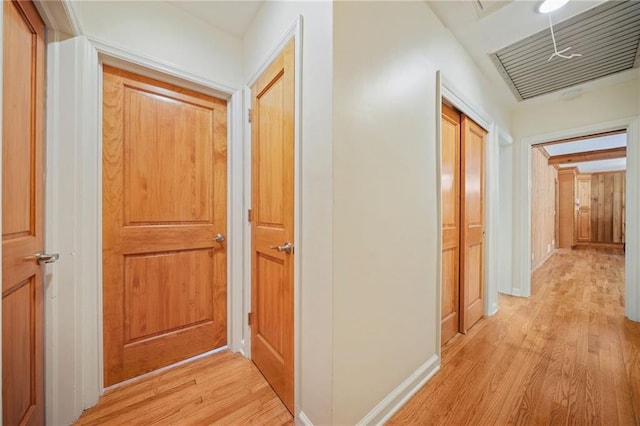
(222, 389)
(566, 355)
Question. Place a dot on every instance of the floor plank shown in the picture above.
(221, 389)
(566, 355)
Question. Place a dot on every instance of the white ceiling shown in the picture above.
(231, 16)
(613, 165)
(482, 34)
(593, 144)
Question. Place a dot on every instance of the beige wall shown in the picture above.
(543, 207)
(385, 233)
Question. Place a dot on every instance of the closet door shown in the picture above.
(450, 189)
(472, 217)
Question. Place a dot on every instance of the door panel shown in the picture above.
(584, 208)
(22, 220)
(164, 201)
(566, 207)
(450, 189)
(472, 213)
(272, 223)
(22, 214)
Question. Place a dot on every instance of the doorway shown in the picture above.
(164, 223)
(463, 221)
(272, 223)
(578, 194)
(22, 214)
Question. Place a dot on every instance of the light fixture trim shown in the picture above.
(549, 6)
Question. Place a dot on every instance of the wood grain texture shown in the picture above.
(601, 154)
(450, 188)
(272, 133)
(583, 216)
(472, 176)
(222, 389)
(566, 208)
(566, 355)
(164, 200)
(22, 213)
(608, 207)
(543, 208)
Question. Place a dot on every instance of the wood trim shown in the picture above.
(580, 138)
(579, 157)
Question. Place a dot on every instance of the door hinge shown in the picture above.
(250, 115)
(250, 318)
(249, 215)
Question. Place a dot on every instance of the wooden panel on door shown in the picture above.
(566, 207)
(272, 131)
(164, 202)
(607, 207)
(584, 208)
(472, 218)
(22, 214)
(450, 189)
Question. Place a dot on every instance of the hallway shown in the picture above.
(567, 354)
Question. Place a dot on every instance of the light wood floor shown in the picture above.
(564, 356)
(222, 389)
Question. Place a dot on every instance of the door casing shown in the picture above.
(295, 33)
(448, 91)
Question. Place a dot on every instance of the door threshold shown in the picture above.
(165, 368)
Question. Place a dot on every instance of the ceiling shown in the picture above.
(592, 144)
(231, 16)
(596, 43)
(505, 23)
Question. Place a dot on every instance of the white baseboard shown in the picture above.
(302, 419)
(400, 395)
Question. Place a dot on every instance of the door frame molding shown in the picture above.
(78, 319)
(632, 237)
(448, 90)
(294, 32)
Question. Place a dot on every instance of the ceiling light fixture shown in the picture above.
(549, 6)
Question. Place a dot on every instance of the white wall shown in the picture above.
(385, 195)
(265, 33)
(505, 211)
(604, 104)
(165, 33)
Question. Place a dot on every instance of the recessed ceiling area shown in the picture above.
(611, 145)
(606, 36)
(231, 16)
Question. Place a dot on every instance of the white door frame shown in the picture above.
(632, 253)
(78, 319)
(294, 32)
(448, 90)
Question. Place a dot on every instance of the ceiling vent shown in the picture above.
(607, 37)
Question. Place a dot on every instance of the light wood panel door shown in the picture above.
(450, 188)
(164, 203)
(272, 131)
(583, 182)
(22, 214)
(566, 207)
(608, 207)
(472, 216)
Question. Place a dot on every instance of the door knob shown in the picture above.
(46, 257)
(286, 247)
(219, 238)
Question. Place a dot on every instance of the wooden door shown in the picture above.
(566, 211)
(22, 214)
(164, 202)
(450, 189)
(272, 132)
(584, 208)
(472, 217)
